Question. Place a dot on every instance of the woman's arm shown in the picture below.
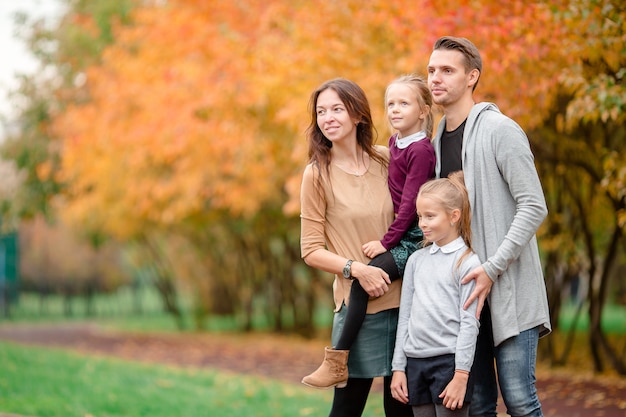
(373, 279)
(313, 243)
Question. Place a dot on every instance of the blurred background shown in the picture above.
(151, 153)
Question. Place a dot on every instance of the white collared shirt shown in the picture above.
(403, 143)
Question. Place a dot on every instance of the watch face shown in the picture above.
(346, 269)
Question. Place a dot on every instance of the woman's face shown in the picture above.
(333, 118)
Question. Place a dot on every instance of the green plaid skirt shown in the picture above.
(410, 243)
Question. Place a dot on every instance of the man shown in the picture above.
(508, 206)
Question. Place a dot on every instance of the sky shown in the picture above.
(15, 57)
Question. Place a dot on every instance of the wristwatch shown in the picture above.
(347, 270)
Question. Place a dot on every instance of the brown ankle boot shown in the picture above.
(332, 372)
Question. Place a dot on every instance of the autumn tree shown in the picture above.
(185, 134)
(57, 261)
(566, 88)
(583, 157)
(179, 141)
(62, 53)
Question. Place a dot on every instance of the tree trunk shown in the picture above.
(616, 362)
(163, 281)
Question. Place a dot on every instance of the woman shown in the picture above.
(345, 202)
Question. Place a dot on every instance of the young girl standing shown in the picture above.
(412, 162)
(436, 336)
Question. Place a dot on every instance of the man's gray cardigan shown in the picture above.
(508, 206)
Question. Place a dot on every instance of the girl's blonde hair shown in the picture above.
(422, 93)
(452, 195)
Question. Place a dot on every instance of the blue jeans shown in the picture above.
(515, 359)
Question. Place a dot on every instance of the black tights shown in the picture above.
(350, 401)
(358, 301)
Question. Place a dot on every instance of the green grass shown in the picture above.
(613, 319)
(43, 382)
(117, 310)
(123, 301)
(120, 309)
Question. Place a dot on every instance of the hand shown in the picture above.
(399, 389)
(454, 393)
(373, 248)
(482, 289)
(374, 280)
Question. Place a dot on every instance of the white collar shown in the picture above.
(403, 143)
(451, 247)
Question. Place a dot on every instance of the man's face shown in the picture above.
(447, 78)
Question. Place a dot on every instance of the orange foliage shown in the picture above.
(201, 106)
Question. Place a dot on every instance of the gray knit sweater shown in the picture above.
(432, 321)
(508, 206)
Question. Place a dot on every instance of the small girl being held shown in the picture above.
(436, 336)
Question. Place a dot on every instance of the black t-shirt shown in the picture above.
(451, 145)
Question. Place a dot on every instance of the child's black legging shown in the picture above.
(358, 301)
